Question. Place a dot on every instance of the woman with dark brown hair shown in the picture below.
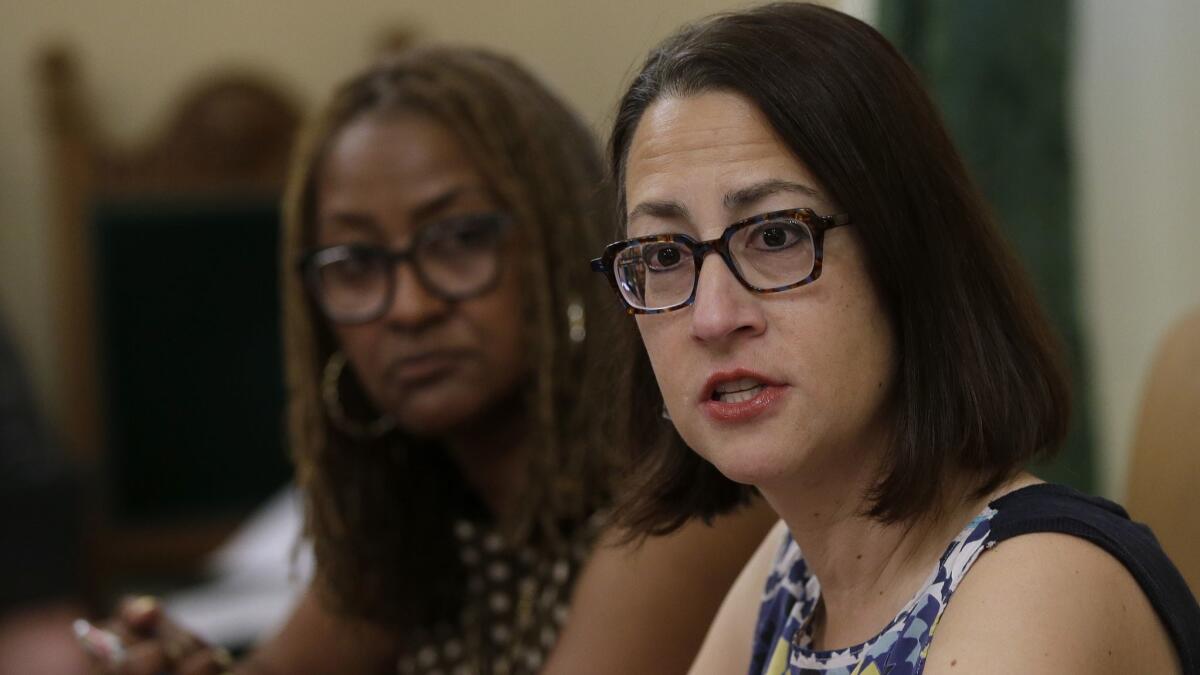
(445, 354)
(830, 317)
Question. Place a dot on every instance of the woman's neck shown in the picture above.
(493, 455)
(868, 570)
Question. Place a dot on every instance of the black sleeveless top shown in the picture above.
(1057, 508)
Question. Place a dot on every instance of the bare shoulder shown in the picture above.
(1049, 603)
(645, 608)
(727, 646)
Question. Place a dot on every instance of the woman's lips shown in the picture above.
(739, 395)
(744, 407)
(421, 368)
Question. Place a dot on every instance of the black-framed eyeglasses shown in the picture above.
(768, 253)
(453, 259)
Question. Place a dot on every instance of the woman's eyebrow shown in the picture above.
(436, 205)
(352, 222)
(746, 196)
(442, 201)
(663, 209)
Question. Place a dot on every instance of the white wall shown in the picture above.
(1137, 101)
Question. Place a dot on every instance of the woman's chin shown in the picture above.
(747, 473)
(750, 465)
(433, 419)
(440, 413)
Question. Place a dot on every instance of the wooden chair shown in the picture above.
(166, 311)
(1164, 476)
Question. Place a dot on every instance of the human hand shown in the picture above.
(36, 640)
(140, 640)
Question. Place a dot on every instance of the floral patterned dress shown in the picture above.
(783, 636)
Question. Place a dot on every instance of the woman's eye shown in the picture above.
(348, 268)
(663, 256)
(358, 263)
(467, 237)
(354, 267)
(775, 236)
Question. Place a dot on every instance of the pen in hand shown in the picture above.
(101, 644)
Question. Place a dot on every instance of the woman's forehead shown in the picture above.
(715, 149)
(709, 126)
(399, 147)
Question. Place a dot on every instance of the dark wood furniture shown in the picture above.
(166, 312)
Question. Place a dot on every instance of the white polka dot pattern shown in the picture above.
(515, 606)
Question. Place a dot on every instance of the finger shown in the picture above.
(121, 630)
(214, 661)
(103, 647)
(144, 658)
(178, 644)
(146, 616)
(142, 614)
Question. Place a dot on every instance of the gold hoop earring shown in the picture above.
(336, 412)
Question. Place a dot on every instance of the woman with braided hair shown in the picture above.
(443, 338)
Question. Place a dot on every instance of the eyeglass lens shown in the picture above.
(452, 260)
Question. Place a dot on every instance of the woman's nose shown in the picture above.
(412, 304)
(723, 308)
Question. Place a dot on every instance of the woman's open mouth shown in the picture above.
(739, 395)
(738, 391)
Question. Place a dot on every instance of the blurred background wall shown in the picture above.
(138, 55)
(1136, 91)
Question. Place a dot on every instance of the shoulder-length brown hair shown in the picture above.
(380, 512)
(980, 386)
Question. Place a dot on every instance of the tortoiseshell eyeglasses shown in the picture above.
(767, 253)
